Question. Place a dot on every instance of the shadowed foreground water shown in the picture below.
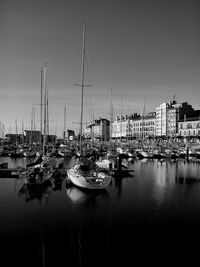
(152, 217)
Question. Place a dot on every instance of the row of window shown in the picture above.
(190, 125)
(138, 124)
(190, 132)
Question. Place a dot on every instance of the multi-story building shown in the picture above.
(99, 130)
(134, 126)
(172, 121)
(189, 127)
(14, 138)
(70, 135)
(120, 127)
(161, 119)
(169, 114)
(31, 136)
(144, 126)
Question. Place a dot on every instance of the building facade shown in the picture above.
(134, 126)
(145, 126)
(99, 130)
(31, 136)
(189, 127)
(161, 120)
(169, 114)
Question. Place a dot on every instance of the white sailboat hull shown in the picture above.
(100, 181)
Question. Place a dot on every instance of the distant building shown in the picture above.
(70, 135)
(144, 126)
(120, 127)
(99, 130)
(32, 136)
(189, 127)
(169, 114)
(14, 138)
(51, 139)
(161, 120)
(134, 126)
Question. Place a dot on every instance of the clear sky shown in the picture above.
(141, 49)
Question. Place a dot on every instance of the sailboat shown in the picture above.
(86, 173)
(41, 170)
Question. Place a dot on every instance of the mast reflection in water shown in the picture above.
(155, 212)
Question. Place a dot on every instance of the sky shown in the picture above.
(146, 51)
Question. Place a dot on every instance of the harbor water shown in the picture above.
(150, 217)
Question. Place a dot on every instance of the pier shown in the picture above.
(119, 169)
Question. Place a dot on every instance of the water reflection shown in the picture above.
(40, 191)
(162, 197)
(77, 195)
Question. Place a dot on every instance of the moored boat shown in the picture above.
(87, 178)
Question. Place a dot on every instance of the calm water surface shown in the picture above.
(152, 217)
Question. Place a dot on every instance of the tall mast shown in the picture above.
(56, 128)
(41, 89)
(82, 84)
(47, 111)
(64, 130)
(45, 100)
(34, 125)
(16, 131)
(22, 132)
(121, 122)
(111, 116)
(143, 114)
(3, 131)
(92, 130)
(31, 126)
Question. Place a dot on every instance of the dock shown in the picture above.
(119, 169)
(9, 173)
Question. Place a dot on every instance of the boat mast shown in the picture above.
(41, 110)
(121, 123)
(82, 84)
(64, 130)
(31, 137)
(22, 132)
(16, 131)
(45, 113)
(143, 114)
(111, 116)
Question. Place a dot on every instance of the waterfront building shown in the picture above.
(161, 120)
(32, 136)
(35, 137)
(51, 139)
(169, 114)
(189, 127)
(121, 128)
(1, 130)
(172, 121)
(14, 138)
(133, 126)
(99, 130)
(70, 135)
(144, 126)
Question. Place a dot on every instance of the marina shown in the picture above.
(99, 133)
(136, 214)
